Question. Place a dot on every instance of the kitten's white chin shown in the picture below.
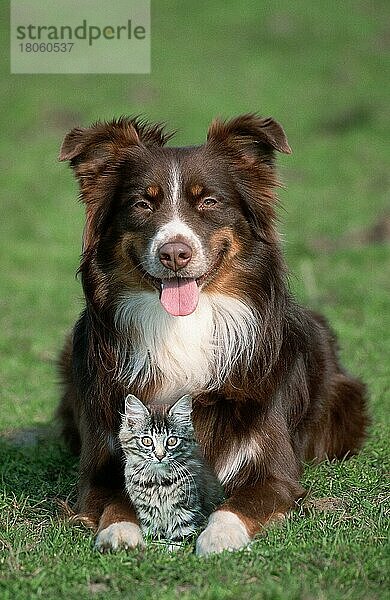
(160, 467)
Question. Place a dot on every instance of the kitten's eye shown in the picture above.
(143, 204)
(208, 202)
(172, 441)
(147, 441)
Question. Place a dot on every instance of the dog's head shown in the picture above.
(173, 219)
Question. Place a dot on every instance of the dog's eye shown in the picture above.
(147, 441)
(143, 204)
(208, 202)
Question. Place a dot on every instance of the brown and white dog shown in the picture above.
(185, 293)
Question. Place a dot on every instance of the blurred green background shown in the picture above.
(321, 69)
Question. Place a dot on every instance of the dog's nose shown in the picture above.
(175, 255)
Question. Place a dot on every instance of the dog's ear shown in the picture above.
(250, 142)
(89, 149)
(253, 137)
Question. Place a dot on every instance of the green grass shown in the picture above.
(318, 67)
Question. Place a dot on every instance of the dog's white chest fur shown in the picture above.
(183, 354)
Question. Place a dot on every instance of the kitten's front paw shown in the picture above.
(122, 535)
(225, 531)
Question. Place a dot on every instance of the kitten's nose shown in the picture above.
(159, 454)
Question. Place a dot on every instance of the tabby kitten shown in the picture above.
(172, 488)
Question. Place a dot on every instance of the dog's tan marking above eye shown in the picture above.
(153, 191)
(196, 190)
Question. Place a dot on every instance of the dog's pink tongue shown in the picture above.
(179, 296)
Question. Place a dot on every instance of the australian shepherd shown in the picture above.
(185, 293)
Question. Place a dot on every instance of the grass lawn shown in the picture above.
(318, 67)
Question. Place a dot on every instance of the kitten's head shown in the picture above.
(160, 436)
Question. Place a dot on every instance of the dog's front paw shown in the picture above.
(122, 535)
(225, 531)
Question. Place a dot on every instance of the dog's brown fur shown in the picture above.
(293, 402)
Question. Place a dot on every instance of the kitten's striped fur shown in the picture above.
(172, 489)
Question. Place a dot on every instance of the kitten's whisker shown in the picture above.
(185, 471)
(188, 478)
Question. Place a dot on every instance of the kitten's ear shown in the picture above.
(135, 410)
(182, 409)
